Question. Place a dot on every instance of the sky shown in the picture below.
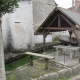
(64, 3)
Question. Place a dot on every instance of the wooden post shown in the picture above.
(44, 49)
(46, 64)
(79, 55)
(59, 21)
(70, 32)
(31, 60)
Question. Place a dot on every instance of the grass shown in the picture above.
(13, 65)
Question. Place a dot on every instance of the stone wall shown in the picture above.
(41, 10)
(18, 30)
(67, 73)
(18, 27)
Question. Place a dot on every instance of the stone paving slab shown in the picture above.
(77, 77)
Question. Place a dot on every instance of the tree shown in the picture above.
(6, 6)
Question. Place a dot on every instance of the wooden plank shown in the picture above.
(57, 28)
(39, 55)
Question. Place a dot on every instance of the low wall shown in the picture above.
(67, 73)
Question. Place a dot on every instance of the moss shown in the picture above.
(12, 77)
(34, 77)
(63, 78)
(41, 64)
(17, 63)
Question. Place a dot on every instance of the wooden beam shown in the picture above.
(50, 25)
(47, 33)
(68, 21)
(53, 21)
(76, 36)
(57, 28)
(59, 21)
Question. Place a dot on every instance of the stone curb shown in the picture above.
(67, 73)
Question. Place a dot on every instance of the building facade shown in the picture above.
(19, 27)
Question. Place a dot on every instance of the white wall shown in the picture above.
(5, 29)
(19, 35)
(39, 38)
(22, 32)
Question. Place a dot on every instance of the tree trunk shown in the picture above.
(2, 55)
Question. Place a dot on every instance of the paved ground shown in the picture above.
(26, 72)
(77, 77)
(66, 61)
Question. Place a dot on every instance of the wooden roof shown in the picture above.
(60, 20)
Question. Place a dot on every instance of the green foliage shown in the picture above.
(8, 6)
(55, 38)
